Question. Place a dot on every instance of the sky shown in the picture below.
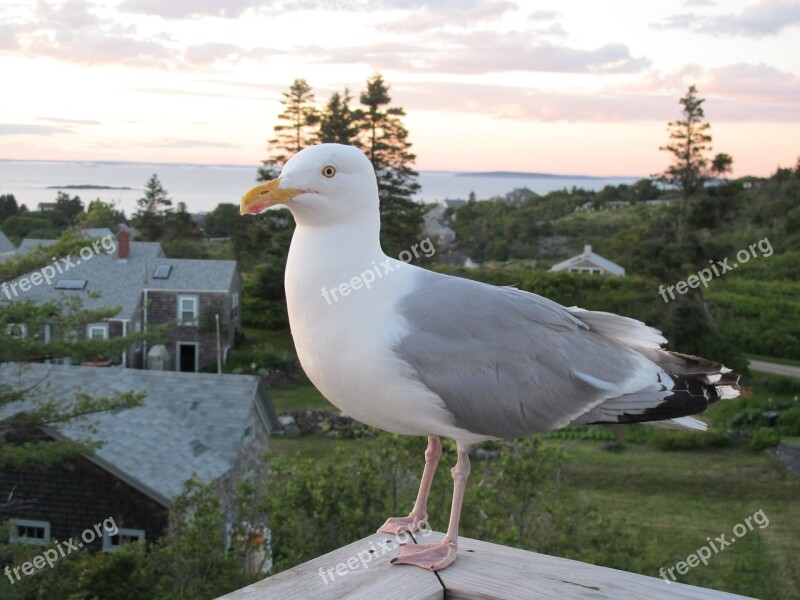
(566, 87)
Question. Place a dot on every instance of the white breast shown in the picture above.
(345, 345)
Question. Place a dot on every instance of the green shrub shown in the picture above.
(789, 421)
(764, 438)
(690, 440)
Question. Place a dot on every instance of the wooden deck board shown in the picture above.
(483, 571)
(372, 578)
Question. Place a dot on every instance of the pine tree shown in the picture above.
(385, 141)
(155, 209)
(338, 122)
(296, 131)
(689, 141)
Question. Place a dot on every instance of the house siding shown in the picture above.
(163, 308)
(75, 496)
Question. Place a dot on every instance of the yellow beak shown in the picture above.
(263, 196)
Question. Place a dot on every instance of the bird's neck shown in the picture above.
(320, 254)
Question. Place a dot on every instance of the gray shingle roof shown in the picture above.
(190, 274)
(6, 247)
(189, 422)
(96, 232)
(30, 243)
(119, 284)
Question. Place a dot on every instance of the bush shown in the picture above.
(764, 438)
(690, 440)
(789, 421)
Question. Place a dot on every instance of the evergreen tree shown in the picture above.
(296, 130)
(8, 207)
(154, 211)
(721, 164)
(223, 221)
(689, 141)
(338, 122)
(71, 208)
(182, 226)
(385, 142)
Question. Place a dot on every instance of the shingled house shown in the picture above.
(150, 289)
(216, 427)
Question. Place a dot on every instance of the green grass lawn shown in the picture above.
(305, 397)
(673, 501)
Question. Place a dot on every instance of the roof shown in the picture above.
(96, 232)
(592, 258)
(29, 244)
(191, 274)
(114, 283)
(189, 422)
(454, 203)
(6, 247)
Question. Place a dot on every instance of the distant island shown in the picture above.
(513, 174)
(86, 186)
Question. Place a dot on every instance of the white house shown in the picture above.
(589, 262)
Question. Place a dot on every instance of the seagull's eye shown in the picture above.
(328, 171)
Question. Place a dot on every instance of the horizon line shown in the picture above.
(495, 173)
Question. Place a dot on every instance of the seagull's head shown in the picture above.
(324, 184)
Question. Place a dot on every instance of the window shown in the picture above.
(97, 331)
(17, 330)
(30, 532)
(112, 543)
(162, 272)
(187, 310)
(70, 284)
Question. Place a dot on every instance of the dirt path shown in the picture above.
(774, 368)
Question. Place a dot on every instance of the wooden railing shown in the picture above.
(482, 571)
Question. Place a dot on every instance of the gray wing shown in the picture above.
(509, 363)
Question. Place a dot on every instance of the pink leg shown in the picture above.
(419, 513)
(438, 556)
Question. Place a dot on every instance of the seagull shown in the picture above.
(415, 352)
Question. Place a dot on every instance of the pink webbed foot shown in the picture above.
(411, 523)
(432, 557)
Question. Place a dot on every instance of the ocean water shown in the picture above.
(203, 187)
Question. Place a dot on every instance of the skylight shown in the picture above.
(70, 284)
(162, 272)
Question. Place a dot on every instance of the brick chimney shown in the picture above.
(123, 244)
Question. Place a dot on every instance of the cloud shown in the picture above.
(8, 37)
(23, 129)
(188, 9)
(544, 15)
(70, 121)
(427, 16)
(533, 104)
(213, 52)
(188, 143)
(766, 17)
(72, 32)
(487, 52)
(736, 93)
(699, 3)
(72, 14)
(97, 48)
(756, 83)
